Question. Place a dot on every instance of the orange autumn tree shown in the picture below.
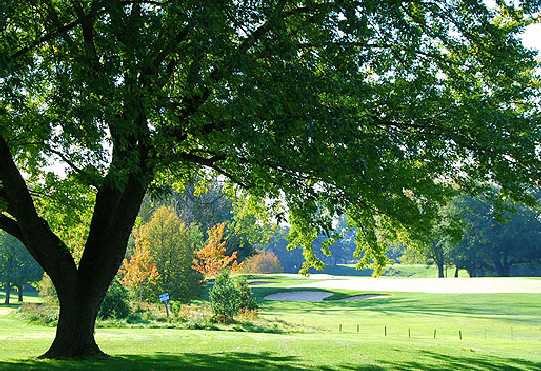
(262, 262)
(139, 273)
(212, 258)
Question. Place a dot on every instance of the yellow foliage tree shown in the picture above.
(211, 259)
(139, 273)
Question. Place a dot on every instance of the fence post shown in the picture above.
(340, 327)
(409, 333)
(385, 330)
(434, 333)
(460, 334)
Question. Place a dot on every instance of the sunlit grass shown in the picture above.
(500, 331)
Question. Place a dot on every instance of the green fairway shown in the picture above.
(395, 332)
(393, 270)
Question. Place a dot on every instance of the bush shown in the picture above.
(263, 262)
(190, 312)
(42, 314)
(116, 302)
(229, 297)
(246, 299)
(224, 298)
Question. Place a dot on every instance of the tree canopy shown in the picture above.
(377, 109)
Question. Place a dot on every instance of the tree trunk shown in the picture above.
(81, 288)
(104, 250)
(20, 293)
(7, 287)
(441, 269)
(456, 272)
(75, 329)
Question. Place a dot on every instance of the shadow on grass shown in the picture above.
(265, 361)
(431, 361)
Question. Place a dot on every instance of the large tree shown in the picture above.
(378, 109)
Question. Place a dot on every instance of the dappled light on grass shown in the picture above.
(266, 361)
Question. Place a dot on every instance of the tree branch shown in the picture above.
(11, 227)
(38, 238)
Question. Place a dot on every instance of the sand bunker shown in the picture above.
(299, 296)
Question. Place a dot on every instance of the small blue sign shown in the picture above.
(164, 297)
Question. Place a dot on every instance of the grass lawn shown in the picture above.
(500, 332)
(393, 270)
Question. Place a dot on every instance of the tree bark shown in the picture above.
(75, 329)
(456, 272)
(20, 293)
(7, 287)
(441, 269)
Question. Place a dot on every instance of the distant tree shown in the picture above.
(498, 238)
(212, 258)
(291, 260)
(17, 267)
(171, 245)
(444, 234)
(396, 251)
(261, 262)
(138, 272)
(209, 201)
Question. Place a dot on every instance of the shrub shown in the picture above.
(42, 314)
(190, 312)
(116, 302)
(224, 298)
(262, 262)
(246, 299)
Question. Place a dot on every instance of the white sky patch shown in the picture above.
(532, 36)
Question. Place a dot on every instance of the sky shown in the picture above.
(532, 36)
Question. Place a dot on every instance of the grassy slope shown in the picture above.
(510, 323)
